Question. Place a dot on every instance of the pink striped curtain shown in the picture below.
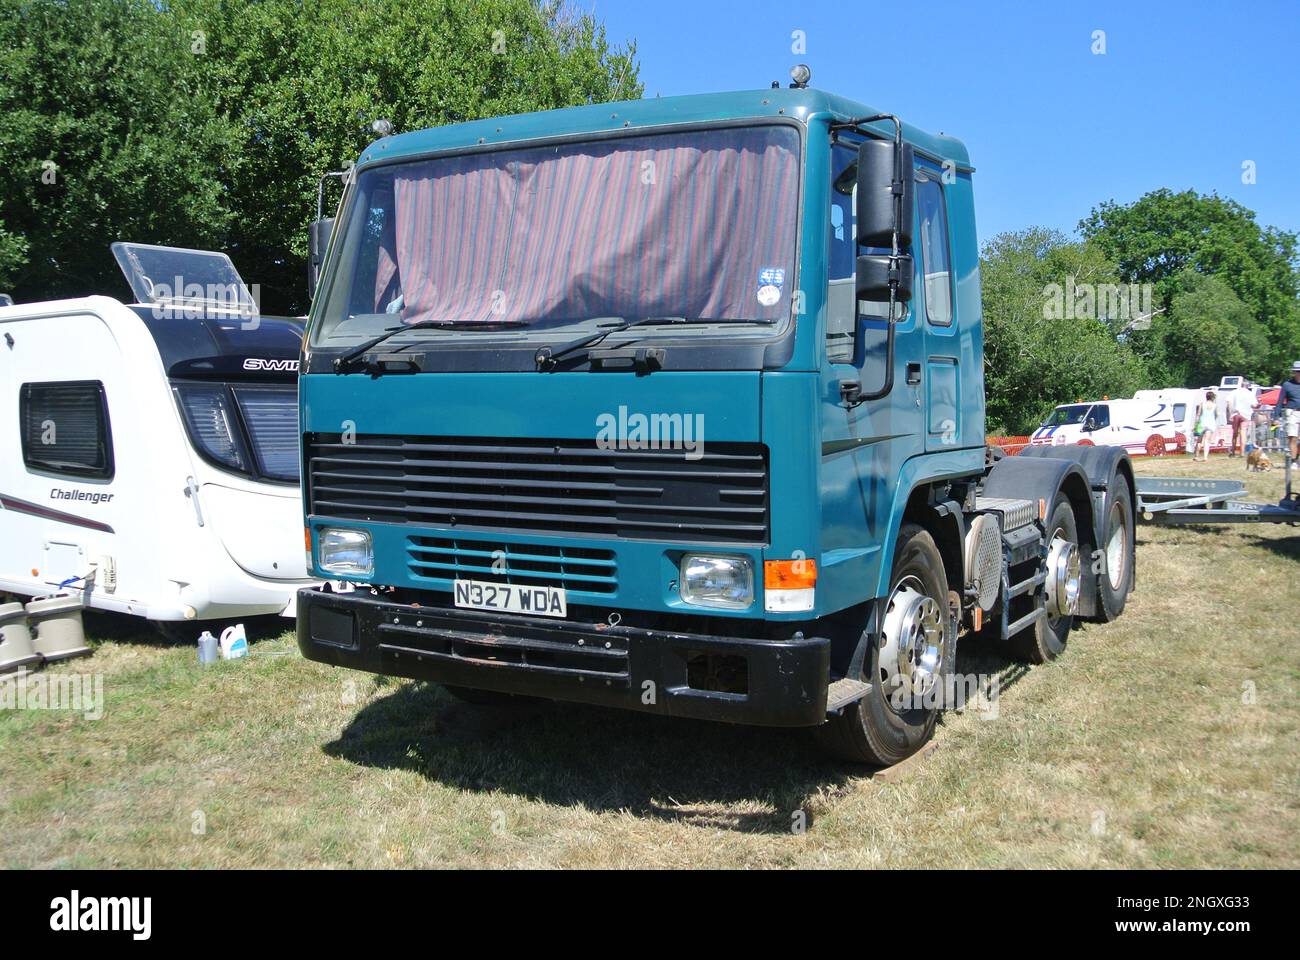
(664, 225)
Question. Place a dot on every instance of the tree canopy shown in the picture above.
(1034, 360)
(1177, 240)
(208, 122)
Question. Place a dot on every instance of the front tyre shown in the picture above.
(908, 663)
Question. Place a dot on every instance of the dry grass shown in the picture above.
(1138, 748)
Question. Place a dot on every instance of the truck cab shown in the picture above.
(674, 405)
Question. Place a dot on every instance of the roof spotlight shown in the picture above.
(382, 127)
(800, 75)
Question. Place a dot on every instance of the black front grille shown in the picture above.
(575, 569)
(569, 487)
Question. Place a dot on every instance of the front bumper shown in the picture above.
(617, 666)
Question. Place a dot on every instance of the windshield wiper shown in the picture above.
(547, 357)
(356, 353)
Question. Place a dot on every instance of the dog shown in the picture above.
(1257, 461)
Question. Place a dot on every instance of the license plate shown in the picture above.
(509, 598)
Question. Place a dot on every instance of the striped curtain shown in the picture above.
(673, 225)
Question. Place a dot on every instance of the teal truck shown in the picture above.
(677, 405)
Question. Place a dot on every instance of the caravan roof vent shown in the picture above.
(189, 280)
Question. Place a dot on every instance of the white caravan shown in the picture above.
(1144, 425)
(1190, 399)
(149, 453)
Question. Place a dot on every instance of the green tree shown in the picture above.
(13, 254)
(1168, 239)
(208, 122)
(1035, 356)
(303, 80)
(106, 135)
(1207, 332)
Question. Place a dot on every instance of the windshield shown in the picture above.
(697, 225)
(1074, 413)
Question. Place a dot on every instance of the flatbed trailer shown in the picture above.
(1177, 501)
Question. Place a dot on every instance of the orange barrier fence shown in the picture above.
(1012, 445)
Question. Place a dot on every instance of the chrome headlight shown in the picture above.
(346, 551)
(708, 580)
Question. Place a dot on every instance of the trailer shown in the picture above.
(1175, 501)
(148, 451)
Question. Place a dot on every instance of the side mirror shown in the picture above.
(884, 213)
(1089, 425)
(885, 193)
(318, 238)
(877, 274)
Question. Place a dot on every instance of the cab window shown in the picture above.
(936, 259)
(842, 310)
(841, 258)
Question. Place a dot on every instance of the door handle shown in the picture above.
(913, 373)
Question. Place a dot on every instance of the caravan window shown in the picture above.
(65, 428)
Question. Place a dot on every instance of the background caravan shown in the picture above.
(150, 453)
(1142, 425)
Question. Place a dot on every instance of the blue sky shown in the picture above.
(1184, 93)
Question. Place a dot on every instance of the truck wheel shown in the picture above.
(1115, 580)
(1155, 445)
(907, 665)
(1045, 639)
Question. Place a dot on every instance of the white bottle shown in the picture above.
(234, 642)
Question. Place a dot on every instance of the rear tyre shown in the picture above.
(1118, 553)
(1155, 446)
(907, 665)
(1045, 639)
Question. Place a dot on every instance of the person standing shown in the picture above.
(1241, 411)
(1206, 423)
(1288, 409)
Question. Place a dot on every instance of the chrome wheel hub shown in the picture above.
(1063, 578)
(911, 644)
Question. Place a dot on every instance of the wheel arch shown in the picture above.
(1102, 466)
(942, 519)
(925, 478)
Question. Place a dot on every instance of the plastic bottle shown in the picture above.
(207, 648)
(234, 642)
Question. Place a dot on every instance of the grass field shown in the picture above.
(1170, 738)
